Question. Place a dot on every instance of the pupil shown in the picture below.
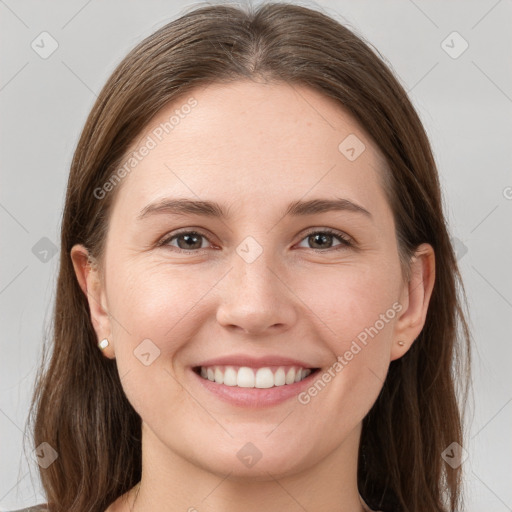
(188, 238)
(322, 236)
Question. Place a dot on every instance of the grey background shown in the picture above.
(465, 104)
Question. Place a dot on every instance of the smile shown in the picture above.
(247, 377)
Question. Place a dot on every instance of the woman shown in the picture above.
(257, 302)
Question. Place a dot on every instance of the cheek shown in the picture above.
(350, 300)
(158, 310)
(154, 300)
(356, 312)
(153, 314)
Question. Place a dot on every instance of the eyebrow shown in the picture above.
(183, 206)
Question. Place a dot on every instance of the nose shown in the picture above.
(256, 297)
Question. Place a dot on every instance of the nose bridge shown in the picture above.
(253, 269)
(253, 297)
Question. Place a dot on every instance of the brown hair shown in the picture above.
(79, 403)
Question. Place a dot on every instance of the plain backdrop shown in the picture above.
(461, 85)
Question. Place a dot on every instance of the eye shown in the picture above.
(187, 241)
(323, 239)
(190, 241)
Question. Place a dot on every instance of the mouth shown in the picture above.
(263, 377)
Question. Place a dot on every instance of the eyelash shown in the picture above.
(346, 242)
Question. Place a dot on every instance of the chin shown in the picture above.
(250, 463)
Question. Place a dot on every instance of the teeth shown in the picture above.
(280, 377)
(245, 377)
(219, 376)
(290, 376)
(230, 377)
(264, 378)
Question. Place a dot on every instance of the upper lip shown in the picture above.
(257, 362)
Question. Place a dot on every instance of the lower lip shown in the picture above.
(255, 397)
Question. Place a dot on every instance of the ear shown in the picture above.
(90, 282)
(415, 298)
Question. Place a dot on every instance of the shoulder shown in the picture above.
(43, 507)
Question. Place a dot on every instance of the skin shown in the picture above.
(254, 148)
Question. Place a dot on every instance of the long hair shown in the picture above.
(79, 404)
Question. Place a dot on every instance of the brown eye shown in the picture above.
(186, 240)
(324, 240)
(189, 241)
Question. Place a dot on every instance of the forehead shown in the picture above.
(252, 143)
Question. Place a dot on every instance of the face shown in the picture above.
(300, 270)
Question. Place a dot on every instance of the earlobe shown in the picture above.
(89, 279)
(416, 296)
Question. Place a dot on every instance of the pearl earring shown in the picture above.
(103, 344)
(401, 343)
